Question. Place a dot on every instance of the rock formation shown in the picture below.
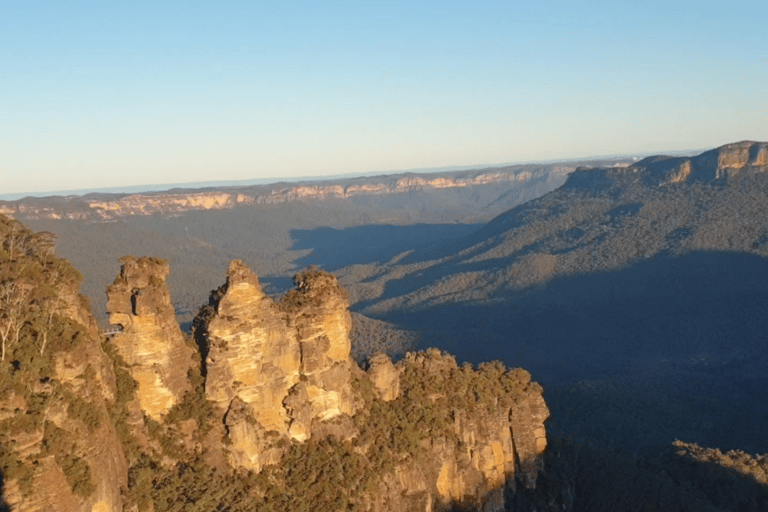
(276, 394)
(151, 341)
(282, 371)
(318, 311)
(272, 369)
(384, 376)
(58, 446)
(495, 438)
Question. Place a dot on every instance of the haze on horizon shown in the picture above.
(95, 96)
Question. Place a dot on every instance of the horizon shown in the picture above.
(163, 187)
(98, 97)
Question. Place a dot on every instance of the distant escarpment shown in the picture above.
(720, 164)
(105, 207)
(262, 408)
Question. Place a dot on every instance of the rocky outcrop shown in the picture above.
(252, 361)
(496, 438)
(275, 368)
(278, 395)
(253, 354)
(318, 310)
(281, 371)
(150, 340)
(720, 164)
(384, 376)
(58, 446)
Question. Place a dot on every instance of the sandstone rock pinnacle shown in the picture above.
(151, 341)
(275, 367)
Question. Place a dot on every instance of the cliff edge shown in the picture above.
(268, 409)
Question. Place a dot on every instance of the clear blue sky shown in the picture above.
(94, 95)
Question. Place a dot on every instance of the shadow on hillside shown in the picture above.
(336, 248)
(597, 478)
(3, 506)
(679, 339)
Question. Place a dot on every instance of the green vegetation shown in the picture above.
(37, 292)
(683, 478)
(78, 474)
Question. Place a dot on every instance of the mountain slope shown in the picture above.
(647, 280)
(277, 228)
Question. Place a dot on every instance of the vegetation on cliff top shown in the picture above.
(38, 297)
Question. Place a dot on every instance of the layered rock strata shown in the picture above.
(150, 339)
(716, 165)
(274, 368)
(113, 206)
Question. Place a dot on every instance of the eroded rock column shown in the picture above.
(151, 341)
(318, 310)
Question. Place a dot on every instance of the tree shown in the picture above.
(14, 310)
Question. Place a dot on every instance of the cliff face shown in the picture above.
(433, 434)
(115, 206)
(720, 164)
(150, 341)
(317, 310)
(58, 446)
(274, 369)
(492, 441)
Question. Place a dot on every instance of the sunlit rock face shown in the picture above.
(318, 311)
(252, 353)
(492, 449)
(123, 205)
(151, 341)
(274, 368)
(738, 159)
(384, 376)
(278, 371)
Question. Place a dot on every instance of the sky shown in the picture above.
(110, 94)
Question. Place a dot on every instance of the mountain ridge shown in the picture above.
(106, 207)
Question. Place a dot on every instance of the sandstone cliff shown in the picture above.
(720, 164)
(150, 339)
(112, 206)
(58, 446)
(430, 434)
(486, 433)
(272, 369)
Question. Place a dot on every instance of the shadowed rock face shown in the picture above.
(151, 341)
